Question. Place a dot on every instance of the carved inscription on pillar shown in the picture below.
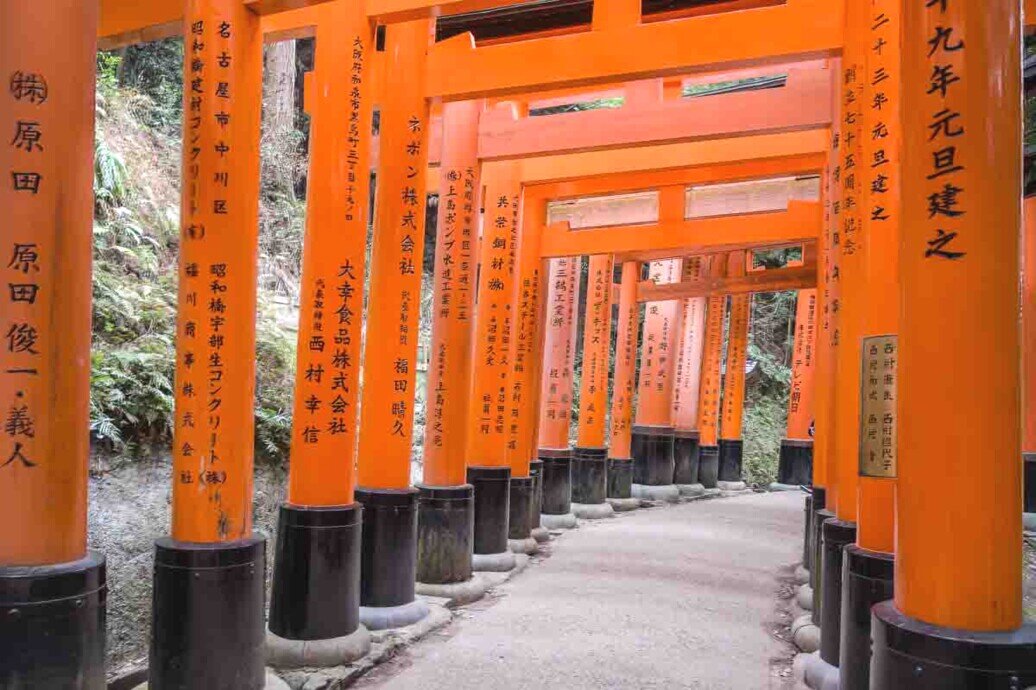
(878, 406)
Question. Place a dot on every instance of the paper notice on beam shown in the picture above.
(878, 417)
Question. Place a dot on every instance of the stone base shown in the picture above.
(731, 486)
(623, 505)
(665, 492)
(540, 534)
(457, 593)
(551, 522)
(691, 490)
(284, 653)
(820, 675)
(712, 493)
(784, 487)
(385, 617)
(804, 597)
(527, 546)
(805, 634)
(801, 575)
(1029, 522)
(493, 562)
(592, 511)
(273, 682)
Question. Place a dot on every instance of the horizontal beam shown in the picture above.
(794, 31)
(802, 222)
(775, 280)
(803, 103)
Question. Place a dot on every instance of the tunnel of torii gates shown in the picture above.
(908, 309)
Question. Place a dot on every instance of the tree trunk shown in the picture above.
(279, 89)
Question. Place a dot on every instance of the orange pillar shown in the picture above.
(711, 382)
(796, 459)
(1029, 357)
(620, 463)
(731, 447)
(320, 524)
(215, 369)
(556, 383)
(46, 167)
(590, 457)
(687, 384)
(488, 468)
(653, 460)
(959, 570)
(390, 358)
(444, 541)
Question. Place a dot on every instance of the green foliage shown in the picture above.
(155, 70)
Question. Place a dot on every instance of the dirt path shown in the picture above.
(678, 597)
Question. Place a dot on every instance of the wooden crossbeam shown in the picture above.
(791, 278)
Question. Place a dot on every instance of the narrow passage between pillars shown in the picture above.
(52, 589)
(620, 461)
(795, 465)
(389, 555)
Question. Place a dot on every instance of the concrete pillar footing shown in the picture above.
(1029, 522)
(273, 682)
(457, 593)
(801, 575)
(820, 675)
(493, 562)
(540, 534)
(804, 597)
(691, 490)
(284, 653)
(805, 634)
(551, 522)
(527, 546)
(592, 511)
(731, 486)
(664, 492)
(385, 617)
(784, 487)
(623, 505)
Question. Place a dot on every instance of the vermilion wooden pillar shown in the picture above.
(687, 385)
(795, 467)
(711, 383)
(868, 566)
(1029, 360)
(488, 468)
(957, 620)
(446, 513)
(316, 587)
(731, 446)
(653, 461)
(390, 360)
(620, 463)
(556, 382)
(849, 246)
(590, 456)
(208, 620)
(52, 589)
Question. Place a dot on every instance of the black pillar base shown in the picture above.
(388, 564)
(731, 453)
(536, 472)
(818, 500)
(445, 533)
(816, 575)
(807, 519)
(837, 535)
(557, 481)
(866, 581)
(523, 496)
(685, 457)
(795, 466)
(208, 628)
(492, 508)
(919, 656)
(708, 466)
(620, 478)
(52, 625)
(589, 475)
(316, 573)
(1029, 463)
(652, 449)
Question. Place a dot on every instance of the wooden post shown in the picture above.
(653, 460)
(218, 641)
(620, 467)
(446, 508)
(47, 59)
(590, 456)
(556, 400)
(731, 446)
(957, 615)
(687, 383)
(488, 468)
(389, 364)
(796, 459)
(319, 526)
(1029, 361)
(711, 383)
